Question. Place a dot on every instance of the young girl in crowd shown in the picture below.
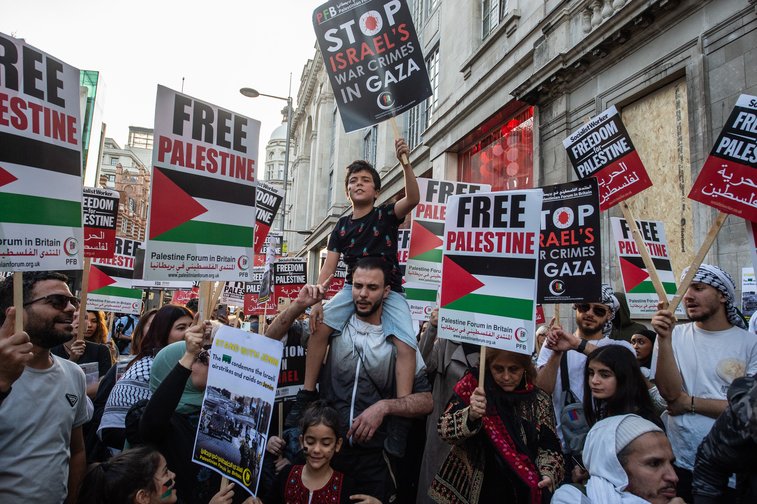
(136, 476)
(168, 326)
(614, 385)
(643, 342)
(316, 482)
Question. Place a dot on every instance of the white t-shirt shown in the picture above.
(576, 364)
(36, 420)
(708, 361)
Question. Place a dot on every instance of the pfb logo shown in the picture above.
(563, 218)
(521, 335)
(71, 246)
(557, 287)
(385, 100)
(243, 262)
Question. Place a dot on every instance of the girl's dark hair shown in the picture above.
(138, 333)
(358, 166)
(631, 393)
(157, 337)
(118, 480)
(101, 331)
(321, 412)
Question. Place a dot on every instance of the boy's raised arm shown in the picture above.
(412, 193)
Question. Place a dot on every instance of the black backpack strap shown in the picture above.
(570, 397)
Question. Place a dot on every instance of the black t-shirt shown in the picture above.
(93, 352)
(374, 235)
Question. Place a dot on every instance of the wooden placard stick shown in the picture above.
(645, 257)
(205, 303)
(18, 300)
(481, 366)
(698, 259)
(557, 314)
(83, 305)
(217, 291)
(398, 134)
(281, 419)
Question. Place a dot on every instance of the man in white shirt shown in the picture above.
(593, 326)
(42, 404)
(695, 363)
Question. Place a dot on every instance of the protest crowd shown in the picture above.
(429, 380)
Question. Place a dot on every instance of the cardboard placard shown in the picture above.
(40, 161)
(491, 254)
(100, 210)
(110, 281)
(570, 256)
(202, 199)
(603, 149)
(373, 58)
(728, 180)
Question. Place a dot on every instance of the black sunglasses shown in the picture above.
(57, 301)
(203, 357)
(599, 311)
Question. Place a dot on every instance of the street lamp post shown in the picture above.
(252, 93)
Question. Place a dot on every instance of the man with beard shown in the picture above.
(359, 380)
(695, 363)
(563, 349)
(43, 407)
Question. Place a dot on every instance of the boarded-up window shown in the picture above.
(659, 127)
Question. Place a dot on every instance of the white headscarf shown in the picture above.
(609, 480)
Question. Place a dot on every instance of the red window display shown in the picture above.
(503, 156)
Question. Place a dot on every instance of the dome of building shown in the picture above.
(280, 133)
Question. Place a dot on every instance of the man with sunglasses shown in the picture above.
(593, 327)
(44, 404)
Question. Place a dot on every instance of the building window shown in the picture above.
(422, 9)
(369, 144)
(124, 226)
(432, 65)
(132, 205)
(492, 12)
(113, 161)
(503, 156)
(419, 117)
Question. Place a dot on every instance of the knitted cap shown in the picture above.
(631, 427)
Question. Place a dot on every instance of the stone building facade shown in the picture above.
(512, 79)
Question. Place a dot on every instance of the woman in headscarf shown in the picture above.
(505, 446)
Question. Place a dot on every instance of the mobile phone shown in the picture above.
(221, 311)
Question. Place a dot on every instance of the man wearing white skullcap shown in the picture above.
(695, 363)
(593, 327)
(629, 460)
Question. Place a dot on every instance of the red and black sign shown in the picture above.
(570, 256)
(100, 211)
(602, 148)
(337, 283)
(728, 180)
(267, 202)
(373, 58)
(288, 278)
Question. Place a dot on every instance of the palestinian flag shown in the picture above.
(424, 257)
(421, 297)
(109, 289)
(190, 208)
(474, 285)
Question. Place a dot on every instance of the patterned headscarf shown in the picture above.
(722, 281)
(609, 299)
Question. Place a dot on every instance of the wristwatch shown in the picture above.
(582, 346)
